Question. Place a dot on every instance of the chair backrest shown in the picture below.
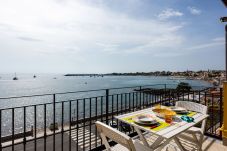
(106, 131)
(192, 106)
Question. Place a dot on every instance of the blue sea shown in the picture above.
(58, 83)
(55, 83)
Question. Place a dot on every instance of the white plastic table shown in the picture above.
(166, 134)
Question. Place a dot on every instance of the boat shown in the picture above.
(15, 78)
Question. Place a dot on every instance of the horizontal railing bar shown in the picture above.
(32, 105)
(49, 103)
(136, 86)
(92, 90)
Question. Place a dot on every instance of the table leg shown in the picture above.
(157, 142)
(143, 139)
(177, 141)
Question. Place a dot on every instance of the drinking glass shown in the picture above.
(168, 118)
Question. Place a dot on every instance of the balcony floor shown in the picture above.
(212, 144)
(209, 144)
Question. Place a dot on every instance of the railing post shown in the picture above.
(140, 96)
(107, 106)
(221, 109)
(164, 95)
(0, 130)
(45, 126)
(54, 105)
(224, 126)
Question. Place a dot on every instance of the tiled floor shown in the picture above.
(85, 138)
(209, 144)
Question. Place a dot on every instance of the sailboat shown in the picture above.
(15, 78)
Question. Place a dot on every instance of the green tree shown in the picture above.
(183, 87)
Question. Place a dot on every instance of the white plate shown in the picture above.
(145, 120)
(178, 109)
(142, 123)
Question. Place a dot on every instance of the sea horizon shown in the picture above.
(50, 83)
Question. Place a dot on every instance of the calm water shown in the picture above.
(54, 83)
(45, 83)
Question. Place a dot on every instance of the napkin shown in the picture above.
(187, 118)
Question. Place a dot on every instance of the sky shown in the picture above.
(105, 36)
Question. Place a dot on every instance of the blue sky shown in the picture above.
(103, 36)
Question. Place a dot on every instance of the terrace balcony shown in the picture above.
(28, 127)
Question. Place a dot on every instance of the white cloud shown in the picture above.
(167, 54)
(80, 34)
(194, 10)
(158, 44)
(168, 13)
(77, 23)
(219, 41)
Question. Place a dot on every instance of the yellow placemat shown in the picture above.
(190, 114)
(158, 128)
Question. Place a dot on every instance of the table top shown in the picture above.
(165, 130)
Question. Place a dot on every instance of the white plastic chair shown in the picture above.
(125, 143)
(197, 133)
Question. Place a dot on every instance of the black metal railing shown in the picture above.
(65, 121)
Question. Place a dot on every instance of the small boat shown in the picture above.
(15, 78)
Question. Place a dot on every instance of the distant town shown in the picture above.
(215, 77)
